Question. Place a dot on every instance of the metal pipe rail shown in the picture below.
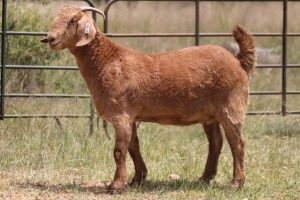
(41, 67)
(63, 96)
(3, 58)
(160, 34)
(262, 66)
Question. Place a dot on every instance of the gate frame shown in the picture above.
(284, 34)
(4, 33)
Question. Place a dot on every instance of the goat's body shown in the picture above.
(205, 84)
(190, 87)
(181, 87)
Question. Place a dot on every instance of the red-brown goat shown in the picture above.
(203, 84)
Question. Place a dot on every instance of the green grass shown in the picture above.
(36, 157)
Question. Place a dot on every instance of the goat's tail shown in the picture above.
(247, 55)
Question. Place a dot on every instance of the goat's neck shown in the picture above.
(93, 58)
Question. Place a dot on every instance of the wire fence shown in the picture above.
(196, 35)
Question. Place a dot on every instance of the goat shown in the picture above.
(203, 84)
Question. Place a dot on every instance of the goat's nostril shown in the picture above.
(50, 39)
(44, 40)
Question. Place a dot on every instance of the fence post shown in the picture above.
(92, 112)
(3, 59)
(197, 21)
(105, 24)
(91, 5)
(284, 57)
(92, 109)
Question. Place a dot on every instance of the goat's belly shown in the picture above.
(176, 120)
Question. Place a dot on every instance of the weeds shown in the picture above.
(41, 157)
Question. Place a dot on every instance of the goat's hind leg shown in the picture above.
(237, 145)
(215, 139)
(139, 164)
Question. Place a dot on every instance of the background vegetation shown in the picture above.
(24, 50)
(40, 160)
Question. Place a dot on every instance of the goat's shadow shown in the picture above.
(148, 187)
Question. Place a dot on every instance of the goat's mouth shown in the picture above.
(53, 44)
(57, 45)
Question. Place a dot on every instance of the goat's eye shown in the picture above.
(73, 21)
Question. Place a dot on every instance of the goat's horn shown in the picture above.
(87, 8)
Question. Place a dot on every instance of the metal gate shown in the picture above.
(5, 66)
(197, 35)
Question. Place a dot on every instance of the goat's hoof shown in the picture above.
(139, 178)
(205, 179)
(137, 181)
(116, 187)
(237, 184)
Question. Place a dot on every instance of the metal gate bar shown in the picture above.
(3, 58)
(284, 58)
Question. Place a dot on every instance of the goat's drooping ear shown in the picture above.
(86, 31)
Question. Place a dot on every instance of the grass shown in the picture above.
(38, 160)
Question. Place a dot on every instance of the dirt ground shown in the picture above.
(43, 191)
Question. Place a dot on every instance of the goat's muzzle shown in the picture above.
(48, 39)
(53, 42)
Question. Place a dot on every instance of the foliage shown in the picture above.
(26, 50)
(44, 2)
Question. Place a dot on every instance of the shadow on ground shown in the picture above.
(98, 187)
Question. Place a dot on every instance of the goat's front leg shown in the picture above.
(135, 153)
(123, 131)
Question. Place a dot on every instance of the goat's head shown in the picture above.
(71, 28)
